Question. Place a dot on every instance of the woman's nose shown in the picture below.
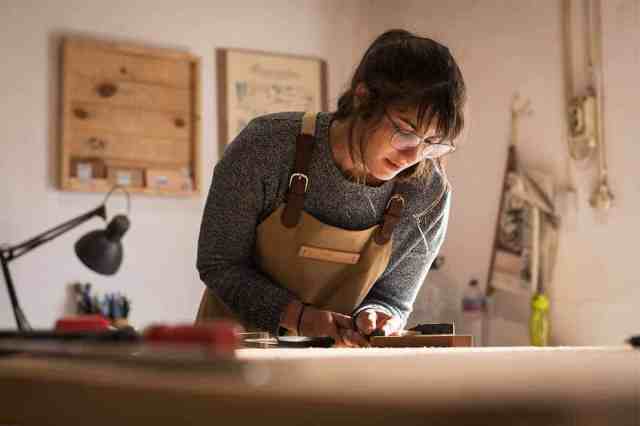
(411, 156)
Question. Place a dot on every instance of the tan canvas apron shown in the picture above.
(326, 266)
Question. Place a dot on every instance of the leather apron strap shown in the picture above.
(392, 216)
(299, 180)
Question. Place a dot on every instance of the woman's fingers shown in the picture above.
(340, 327)
(370, 320)
(343, 325)
(346, 338)
(342, 321)
(383, 320)
(336, 334)
(349, 337)
(353, 339)
(392, 326)
(366, 321)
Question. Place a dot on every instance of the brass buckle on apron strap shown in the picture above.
(395, 197)
(295, 199)
(302, 176)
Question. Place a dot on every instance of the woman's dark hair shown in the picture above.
(402, 70)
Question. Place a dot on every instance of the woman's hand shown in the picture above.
(367, 322)
(320, 323)
(370, 320)
(316, 322)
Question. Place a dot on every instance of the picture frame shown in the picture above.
(253, 83)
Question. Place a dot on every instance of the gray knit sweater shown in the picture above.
(249, 183)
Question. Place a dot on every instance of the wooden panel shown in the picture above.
(132, 107)
(116, 92)
(110, 146)
(96, 118)
(413, 341)
(103, 185)
(65, 121)
(131, 49)
(93, 61)
(195, 128)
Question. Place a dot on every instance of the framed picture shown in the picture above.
(253, 83)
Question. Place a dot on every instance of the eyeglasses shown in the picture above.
(404, 140)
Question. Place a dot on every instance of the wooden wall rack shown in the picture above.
(130, 116)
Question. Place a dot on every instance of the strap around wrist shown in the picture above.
(304, 305)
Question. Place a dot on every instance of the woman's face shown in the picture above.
(383, 161)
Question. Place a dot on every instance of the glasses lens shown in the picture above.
(436, 150)
(404, 141)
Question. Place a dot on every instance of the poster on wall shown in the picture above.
(252, 83)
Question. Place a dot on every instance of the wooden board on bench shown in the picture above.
(421, 340)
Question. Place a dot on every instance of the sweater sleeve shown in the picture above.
(396, 290)
(226, 244)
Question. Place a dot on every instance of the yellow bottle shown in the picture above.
(539, 321)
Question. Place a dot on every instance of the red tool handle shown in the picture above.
(217, 334)
(78, 323)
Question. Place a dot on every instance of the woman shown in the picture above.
(326, 225)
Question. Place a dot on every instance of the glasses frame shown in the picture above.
(422, 140)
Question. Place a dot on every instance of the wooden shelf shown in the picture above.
(103, 185)
(131, 116)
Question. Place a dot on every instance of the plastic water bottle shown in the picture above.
(539, 321)
(473, 310)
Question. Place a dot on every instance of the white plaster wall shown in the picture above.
(509, 46)
(159, 269)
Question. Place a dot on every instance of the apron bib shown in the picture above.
(328, 267)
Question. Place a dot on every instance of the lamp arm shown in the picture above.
(7, 254)
(13, 252)
(21, 320)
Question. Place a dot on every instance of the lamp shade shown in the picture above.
(101, 250)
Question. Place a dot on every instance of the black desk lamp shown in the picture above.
(100, 250)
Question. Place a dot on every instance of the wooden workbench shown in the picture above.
(375, 386)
